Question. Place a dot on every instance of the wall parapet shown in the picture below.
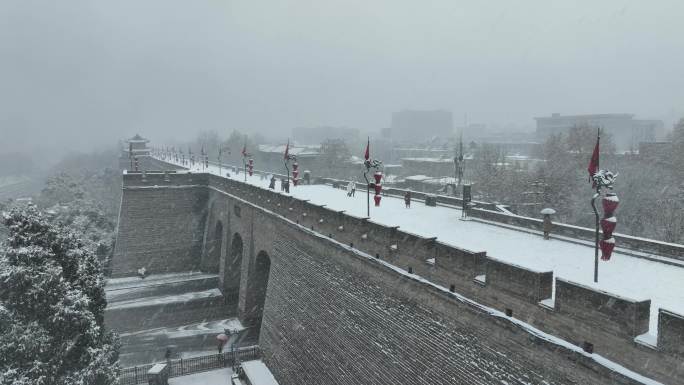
(612, 313)
(528, 285)
(670, 250)
(671, 332)
(490, 211)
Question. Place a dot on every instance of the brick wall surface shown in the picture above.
(160, 229)
(333, 319)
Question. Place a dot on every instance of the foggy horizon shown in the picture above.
(81, 75)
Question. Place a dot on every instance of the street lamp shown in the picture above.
(220, 156)
(245, 162)
(377, 176)
(295, 169)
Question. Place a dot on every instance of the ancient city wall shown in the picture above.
(610, 330)
(301, 258)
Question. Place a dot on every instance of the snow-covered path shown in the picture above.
(624, 275)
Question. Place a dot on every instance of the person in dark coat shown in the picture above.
(407, 199)
(271, 184)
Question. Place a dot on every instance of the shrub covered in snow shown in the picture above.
(52, 304)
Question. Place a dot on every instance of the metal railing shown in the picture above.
(181, 367)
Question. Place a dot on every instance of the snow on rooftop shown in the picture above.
(293, 150)
(430, 160)
(212, 377)
(623, 275)
(258, 373)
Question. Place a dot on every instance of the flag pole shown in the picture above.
(367, 159)
(286, 157)
(244, 160)
(596, 214)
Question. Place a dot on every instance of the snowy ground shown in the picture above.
(623, 275)
(164, 299)
(200, 328)
(214, 377)
(156, 279)
(258, 373)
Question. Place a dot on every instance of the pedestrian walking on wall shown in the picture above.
(271, 184)
(407, 199)
(350, 187)
(353, 189)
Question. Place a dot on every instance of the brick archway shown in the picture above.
(257, 285)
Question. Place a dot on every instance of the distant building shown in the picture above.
(417, 152)
(136, 144)
(134, 148)
(317, 135)
(419, 126)
(655, 151)
(430, 167)
(626, 131)
(270, 157)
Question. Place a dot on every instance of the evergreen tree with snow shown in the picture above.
(52, 304)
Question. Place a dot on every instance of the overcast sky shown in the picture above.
(83, 73)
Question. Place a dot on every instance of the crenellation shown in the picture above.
(613, 314)
(671, 333)
(528, 285)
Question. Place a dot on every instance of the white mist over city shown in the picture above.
(341, 192)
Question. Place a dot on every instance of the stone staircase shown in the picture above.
(182, 312)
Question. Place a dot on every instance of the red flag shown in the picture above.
(594, 162)
(287, 150)
(366, 155)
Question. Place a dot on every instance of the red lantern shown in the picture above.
(610, 203)
(377, 198)
(251, 161)
(378, 177)
(378, 188)
(607, 246)
(608, 226)
(295, 166)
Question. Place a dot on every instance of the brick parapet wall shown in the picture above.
(671, 250)
(490, 212)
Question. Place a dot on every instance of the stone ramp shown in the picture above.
(164, 301)
(129, 288)
(183, 312)
(198, 339)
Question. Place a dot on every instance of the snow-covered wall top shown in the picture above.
(169, 210)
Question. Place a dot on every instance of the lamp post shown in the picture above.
(604, 178)
(459, 164)
(295, 169)
(377, 176)
(220, 156)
